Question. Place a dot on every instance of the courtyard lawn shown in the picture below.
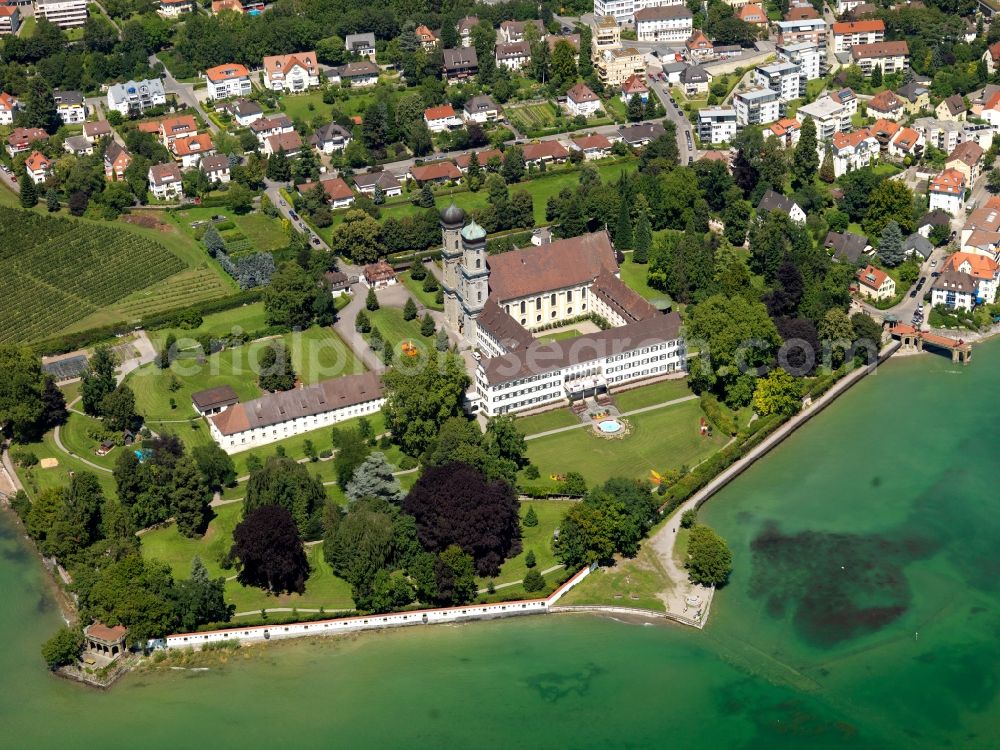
(317, 354)
(550, 420)
(631, 582)
(658, 393)
(395, 331)
(634, 276)
(416, 288)
(534, 538)
(659, 440)
(570, 333)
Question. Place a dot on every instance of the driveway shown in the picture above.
(345, 327)
(184, 92)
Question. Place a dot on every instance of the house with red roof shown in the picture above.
(787, 129)
(634, 86)
(20, 139)
(442, 118)
(427, 38)
(38, 166)
(228, 80)
(992, 58)
(593, 146)
(947, 192)
(984, 271)
(699, 47)
(191, 150)
(10, 19)
(296, 72)
(752, 14)
(887, 105)
(290, 143)
(549, 152)
(853, 150)
(438, 172)
(876, 284)
(8, 106)
(172, 128)
(580, 100)
(338, 192)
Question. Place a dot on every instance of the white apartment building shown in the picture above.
(829, 115)
(276, 416)
(225, 81)
(624, 11)
(803, 31)
(292, 73)
(135, 97)
(947, 192)
(784, 78)
(756, 107)
(664, 23)
(165, 180)
(846, 35)
(716, 124)
(63, 13)
(852, 151)
(70, 106)
(806, 56)
(442, 118)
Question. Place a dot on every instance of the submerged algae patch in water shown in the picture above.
(838, 586)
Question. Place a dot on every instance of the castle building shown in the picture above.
(494, 302)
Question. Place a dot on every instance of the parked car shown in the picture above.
(315, 240)
(293, 215)
(913, 293)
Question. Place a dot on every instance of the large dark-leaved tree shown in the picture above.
(456, 504)
(285, 483)
(268, 551)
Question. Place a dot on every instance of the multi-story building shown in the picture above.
(10, 19)
(192, 149)
(65, 14)
(784, 78)
(716, 124)
(175, 8)
(967, 158)
(8, 106)
(465, 27)
(70, 106)
(460, 63)
(276, 416)
(580, 100)
(614, 66)
(513, 31)
(847, 35)
(21, 139)
(172, 128)
(945, 135)
(787, 130)
(38, 166)
(228, 80)
(887, 105)
(890, 56)
(165, 180)
(829, 115)
(330, 138)
(853, 150)
(626, 11)
(442, 118)
(875, 283)
(482, 109)
(807, 56)
(513, 55)
(803, 31)
(216, 168)
(116, 161)
(757, 106)
(354, 74)
(133, 98)
(605, 34)
(947, 192)
(699, 47)
(665, 23)
(292, 73)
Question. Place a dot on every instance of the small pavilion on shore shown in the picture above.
(106, 643)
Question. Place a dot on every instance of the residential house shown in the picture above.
(338, 192)
(340, 283)
(513, 55)
(165, 181)
(916, 95)
(462, 161)
(427, 38)
(265, 127)
(228, 80)
(10, 19)
(291, 73)
(947, 192)
(967, 158)
(757, 106)
(460, 63)
(378, 275)
(549, 152)
(8, 107)
(359, 73)
(981, 231)
(695, 80)
(70, 106)
(698, 47)
(807, 56)
(465, 27)
(641, 134)
(716, 124)
(772, 201)
(890, 56)
(784, 78)
(436, 172)
(172, 128)
(847, 247)
(512, 32)
(216, 168)
(983, 270)
(234, 6)
(853, 33)
(951, 108)
(787, 130)
(580, 100)
(937, 218)
(442, 118)
(954, 290)
(38, 166)
(876, 284)
(243, 111)
(116, 160)
(917, 246)
(992, 58)
(616, 65)
(853, 150)
(385, 181)
(884, 131)
(846, 6)
(78, 146)
(664, 23)
(752, 14)
(20, 139)
(175, 8)
(907, 143)
(362, 45)
(482, 108)
(214, 400)
(190, 150)
(94, 131)
(887, 106)
(330, 138)
(991, 111)
(593, 146)
(830, 117)
(133, 98)
(847, 99)
(66, 14)
(289, 142)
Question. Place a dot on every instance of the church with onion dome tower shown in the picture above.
(466, 272)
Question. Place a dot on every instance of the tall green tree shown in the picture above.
(29, 195)
(282, 481)
(778, 393)
(418, 403)
(288, 299)
(890, 246)
(623, 227)
(709, 561)
(98, 380)
(189, 498)
(805, 161)
(643, 236)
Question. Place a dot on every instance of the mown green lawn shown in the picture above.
(239, 319)
(534, 538)
(634, 276)
(37, 479)
(629, 583)
(637, 398)
(265, 233)
(550, 420)
(569, 333)
(395, 331)
(308, 106)
(75, 436)
(427, 299)
(659, 440)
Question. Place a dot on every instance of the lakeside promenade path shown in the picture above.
(682, 592)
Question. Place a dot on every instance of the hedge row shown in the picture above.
(71, 341)
(712, 409)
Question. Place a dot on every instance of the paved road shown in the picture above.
(685, 132)
(345, 327)
(184, 92)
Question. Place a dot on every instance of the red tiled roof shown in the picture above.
(284, 63)
(7, 102)
(980, 266)
(462, 160)
(858, 27)
(634, 85)
(880, 49)
(37, 161)
(102, 632)
(196, 144)
(885, 101)
(844, 140)
(227, 72)
(544, 150)
(287, 141)
(592, 141)
(872, 277)
(581, 93)
(906, 139)
(950, 181)
(438, 171)
(334, 187)
(752, 14)
(442, 112)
